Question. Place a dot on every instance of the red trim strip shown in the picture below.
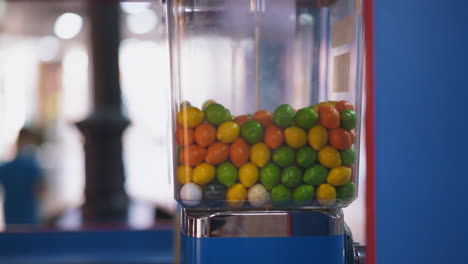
(370, 131)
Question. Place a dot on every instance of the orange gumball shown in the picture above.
(329, 117)
(263, 117)
(217, 153)
(184, 136)
(192, 155)
(340, 139)
(273, 137)
(205, 134)
(240, 152)
(240, 120)
(343, 105)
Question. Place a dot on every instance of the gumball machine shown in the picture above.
(266, 110)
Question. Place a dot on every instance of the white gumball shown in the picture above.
(257, 195)
(190, 194)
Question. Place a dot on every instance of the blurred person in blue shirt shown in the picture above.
(21, 182)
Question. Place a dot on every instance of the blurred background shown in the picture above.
(46, 85)
(45, 82)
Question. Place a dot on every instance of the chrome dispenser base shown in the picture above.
(266, 237)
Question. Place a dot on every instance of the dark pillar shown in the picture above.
(106, 200)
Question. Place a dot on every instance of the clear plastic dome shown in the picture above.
(266, 102)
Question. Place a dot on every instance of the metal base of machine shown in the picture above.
(266, 237)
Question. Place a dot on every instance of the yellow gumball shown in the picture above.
(295, 137)
(204, 173)
(318, 137)
(184, 174)
(190, 117)
(339, 176)
(228, 132)
(248, 174)
(329, 157)
(260, 154)
(325, 194)
(236, 195)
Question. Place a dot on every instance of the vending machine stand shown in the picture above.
(277, 236)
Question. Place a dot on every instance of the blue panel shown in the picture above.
(312, 249)
(422, 133)
(150, 246)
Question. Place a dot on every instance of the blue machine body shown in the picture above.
(264, 237)
(421, 96)
(313, 249)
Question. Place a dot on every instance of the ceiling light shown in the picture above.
(68, 25)
(142, 22)
(134, 7)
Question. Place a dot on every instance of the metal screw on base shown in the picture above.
(359, 254)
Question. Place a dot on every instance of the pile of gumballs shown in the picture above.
(285, 158)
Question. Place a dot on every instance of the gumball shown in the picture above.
(264, 117)
(190, 117)
(348, 119)
(228, 132)
(270, 175)
(252, 131)
(316, 107)
(318, 137)
(342, 105)
(346, 191)
(257, 195)
(325, 194)
(203, 173)
(248, 174)
(303, 194)
(190, 194)
(240, 152)
(192, 155)
(348, 156)
(280, 194)
(315, 175)
(205, 134)
(227, 174)
(340, 139)
(184, 136)
(306, 118)
(260, 154)
(214, 191)
(236, 195)
(329, 117)
(216, 114)
(291, 176)
(295, 137)
(284, 156)
(339, 176)
(217, 153)
(184, 174)
(329, 157)
(283, 115)
(306, 157)
(274, 137)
